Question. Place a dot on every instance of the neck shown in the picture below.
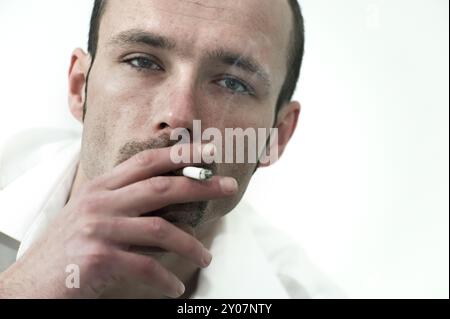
(186, 271)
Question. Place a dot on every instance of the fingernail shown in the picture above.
(207, 257)
(181, 289)
(228, 185)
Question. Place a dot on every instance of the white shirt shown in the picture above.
(252, 259)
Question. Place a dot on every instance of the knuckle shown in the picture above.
(146, 267)
(98, 257)
(91, 204)
(149, 266)
(91, 229)
(144, 158)
(159, 184)
(158, 227)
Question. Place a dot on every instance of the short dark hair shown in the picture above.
(295, 54)
(94, 29)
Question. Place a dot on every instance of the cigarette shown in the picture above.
(197, 173)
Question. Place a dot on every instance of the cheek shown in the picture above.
(114, 111)
(237, 115)
(122, 103)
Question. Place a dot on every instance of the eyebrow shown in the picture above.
(136, 36)
(225, 56)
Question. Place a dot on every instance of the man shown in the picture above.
(116, 218)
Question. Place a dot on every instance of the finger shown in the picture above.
(148, 271)
(155, 162)
(158, 192)
(186, 228)
(159, 233)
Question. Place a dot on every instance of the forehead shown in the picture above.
(257, 27)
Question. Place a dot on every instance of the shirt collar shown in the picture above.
(40, 190)
(239, 268)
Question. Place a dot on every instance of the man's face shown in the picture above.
(161, 64)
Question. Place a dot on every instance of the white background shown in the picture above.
(363, 185)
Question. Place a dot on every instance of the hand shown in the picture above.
(97, 227)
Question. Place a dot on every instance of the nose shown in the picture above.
(177, 108)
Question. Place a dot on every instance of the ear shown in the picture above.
(79, 66)
(286, 124)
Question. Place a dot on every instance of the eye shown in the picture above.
(236, 86)
(143, 64)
